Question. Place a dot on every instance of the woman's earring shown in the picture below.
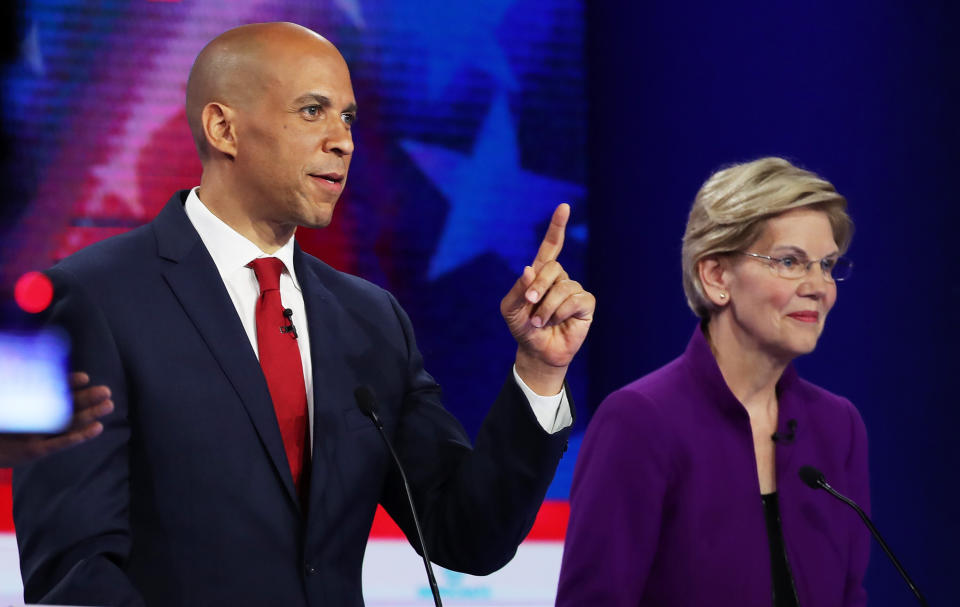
(723, 296)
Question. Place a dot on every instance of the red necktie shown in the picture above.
(280, 361)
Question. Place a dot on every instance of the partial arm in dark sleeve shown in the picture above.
(476, 506)
(71, 508)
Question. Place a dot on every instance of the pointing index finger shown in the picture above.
(553, 240)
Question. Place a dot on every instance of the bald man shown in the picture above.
(215, 483)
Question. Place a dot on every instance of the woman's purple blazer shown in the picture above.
(665, 504)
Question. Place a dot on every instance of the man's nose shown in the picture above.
(340, 140)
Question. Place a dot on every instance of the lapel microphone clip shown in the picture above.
(288, 316)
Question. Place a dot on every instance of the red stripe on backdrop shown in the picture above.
(551, 523)
(6, 501)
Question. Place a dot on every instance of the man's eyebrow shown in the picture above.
(323, 101)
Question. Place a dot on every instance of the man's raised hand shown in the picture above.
(548, 313)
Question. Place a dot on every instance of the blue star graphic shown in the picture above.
(448, 37)
(495, 205)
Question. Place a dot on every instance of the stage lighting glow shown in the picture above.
(33, 292)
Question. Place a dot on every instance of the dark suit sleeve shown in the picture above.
(476, 505)
(71, 509)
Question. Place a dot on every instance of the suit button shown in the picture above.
(310, 569)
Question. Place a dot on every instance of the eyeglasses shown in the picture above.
(835, 269)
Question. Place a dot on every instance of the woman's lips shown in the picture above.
(805, 316)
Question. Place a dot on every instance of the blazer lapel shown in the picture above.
(197, 284)
(792, 419)
(332, 389)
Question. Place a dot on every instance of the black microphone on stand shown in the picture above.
(368, 405)
(815, 480)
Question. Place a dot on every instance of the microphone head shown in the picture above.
(812, 477)
(366, 401)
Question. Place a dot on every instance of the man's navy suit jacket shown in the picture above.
(187, 499)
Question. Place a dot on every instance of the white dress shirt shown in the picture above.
(231, 252)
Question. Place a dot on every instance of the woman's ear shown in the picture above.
(715, 279)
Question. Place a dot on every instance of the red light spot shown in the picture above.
(33, 292)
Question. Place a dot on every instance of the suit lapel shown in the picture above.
(332, 391)
(195, 281)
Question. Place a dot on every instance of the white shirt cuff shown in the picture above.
(553, 412)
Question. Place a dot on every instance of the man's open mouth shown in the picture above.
(333, 178)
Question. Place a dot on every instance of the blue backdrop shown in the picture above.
(864, 94)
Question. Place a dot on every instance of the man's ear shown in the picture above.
(219, 128)
(715, 279)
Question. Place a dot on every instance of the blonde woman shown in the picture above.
(686, 489)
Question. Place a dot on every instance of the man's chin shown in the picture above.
(314, 225)
(320, 216)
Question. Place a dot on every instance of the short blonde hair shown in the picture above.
(731, 210)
